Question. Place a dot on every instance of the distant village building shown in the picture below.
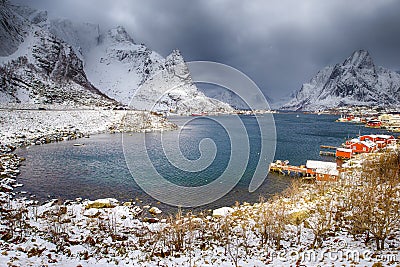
(392, 120)
(374, 124)
(365, 144)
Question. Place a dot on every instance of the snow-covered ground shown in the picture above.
(27, 124)
(72, 234)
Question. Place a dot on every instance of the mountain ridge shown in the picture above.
(355, 81)
(59, 54)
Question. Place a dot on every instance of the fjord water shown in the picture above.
(98, 169)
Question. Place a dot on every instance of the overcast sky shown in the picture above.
(279, 44)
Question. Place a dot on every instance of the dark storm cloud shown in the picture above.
(279, 44)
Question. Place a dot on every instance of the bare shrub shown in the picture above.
(375, 202)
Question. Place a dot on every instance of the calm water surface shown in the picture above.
(98, 169)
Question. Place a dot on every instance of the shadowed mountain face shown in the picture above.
(355, 81)
(37, 67)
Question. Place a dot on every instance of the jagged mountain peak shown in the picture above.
(175, 56)
(176, 62)
(360, 59)
(355, 81)
(119, 34)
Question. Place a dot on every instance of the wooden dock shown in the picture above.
(298, 171)
(328, 147)
(327, 153)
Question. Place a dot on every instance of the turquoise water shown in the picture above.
(98, 169)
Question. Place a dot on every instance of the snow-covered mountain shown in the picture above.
(224, 95)
(38, 67)
(47, 61)
(356, 81)
(119, 67)
(179, 94)
(234, 100)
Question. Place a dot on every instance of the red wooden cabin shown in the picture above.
(344, 153)
(381, 140)
(323, 171)
(358, 146)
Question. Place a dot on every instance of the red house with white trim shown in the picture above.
(358, 146)
(381, 140)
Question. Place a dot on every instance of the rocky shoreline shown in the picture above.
(28, 125)
(25, 127)
(9, 164)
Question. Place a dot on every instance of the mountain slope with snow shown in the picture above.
(171, 88)
(225, 96)
(59, 61)
(135, 75)
(43, 69)
(356, 81)
(119, 66)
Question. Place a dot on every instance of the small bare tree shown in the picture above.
(320, 220)
(177, 231)
(278, 219)
(271, 221)
(262, 222)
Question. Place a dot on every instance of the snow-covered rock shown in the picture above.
(102, 203)
(155, 210)
(356, 81)
(221, 212)
(92, 213)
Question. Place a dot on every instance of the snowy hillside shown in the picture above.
(179, 94)
(356, 81)
(224, 95)
(42, 69)
(59, 61)
(119, 67)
